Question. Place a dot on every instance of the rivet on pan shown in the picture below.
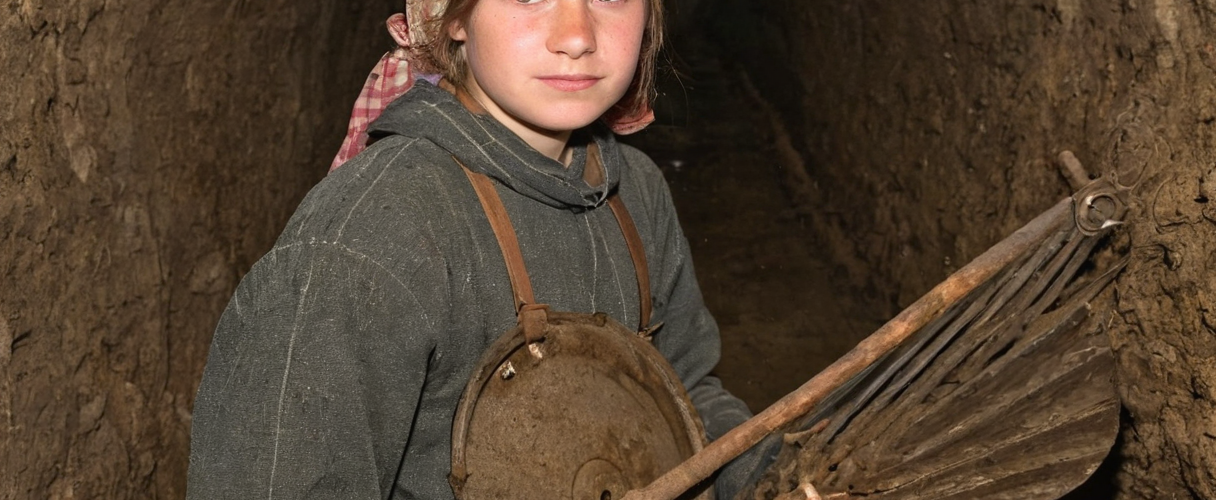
(507, 372)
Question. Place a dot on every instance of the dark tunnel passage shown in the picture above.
(830, 161)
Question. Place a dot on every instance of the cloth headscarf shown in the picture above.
(396, 73)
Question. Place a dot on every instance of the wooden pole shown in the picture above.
(800, 402)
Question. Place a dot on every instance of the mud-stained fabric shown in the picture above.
(337, 367)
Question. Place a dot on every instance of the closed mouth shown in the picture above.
(570, 83)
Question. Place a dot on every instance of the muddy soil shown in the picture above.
(929, 131)
(776, 297)
(830, 160)
(149, 153)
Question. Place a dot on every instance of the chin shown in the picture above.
(564, 118)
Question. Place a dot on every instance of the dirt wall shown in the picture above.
(929, 130)
(150, 151)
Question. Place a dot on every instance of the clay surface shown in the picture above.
(149, 153)
(929, 130)
(831, 161)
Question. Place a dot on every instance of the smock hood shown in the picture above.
(484, 145)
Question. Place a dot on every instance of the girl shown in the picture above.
(337, 367)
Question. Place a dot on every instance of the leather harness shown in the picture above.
(530, 314)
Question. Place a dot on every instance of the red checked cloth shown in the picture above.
(389, 79)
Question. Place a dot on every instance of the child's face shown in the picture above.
(551, 65)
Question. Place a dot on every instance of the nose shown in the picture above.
(573, 33)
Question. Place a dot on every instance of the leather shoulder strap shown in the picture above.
(595, 175)
(504, 232)
(638, 253)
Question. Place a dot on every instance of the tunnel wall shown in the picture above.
(150, 151)
(929, 130)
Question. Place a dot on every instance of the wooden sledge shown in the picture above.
(986, 387)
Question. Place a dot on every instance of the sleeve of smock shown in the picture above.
(689, 339)
(312, 381)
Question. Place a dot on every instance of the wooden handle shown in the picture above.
(889, 336)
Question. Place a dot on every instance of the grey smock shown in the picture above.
(338, 364)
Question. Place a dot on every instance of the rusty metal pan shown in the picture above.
(588, 413)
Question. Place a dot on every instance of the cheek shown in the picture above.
(625, 37)
(501, 43)
(625, 50)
